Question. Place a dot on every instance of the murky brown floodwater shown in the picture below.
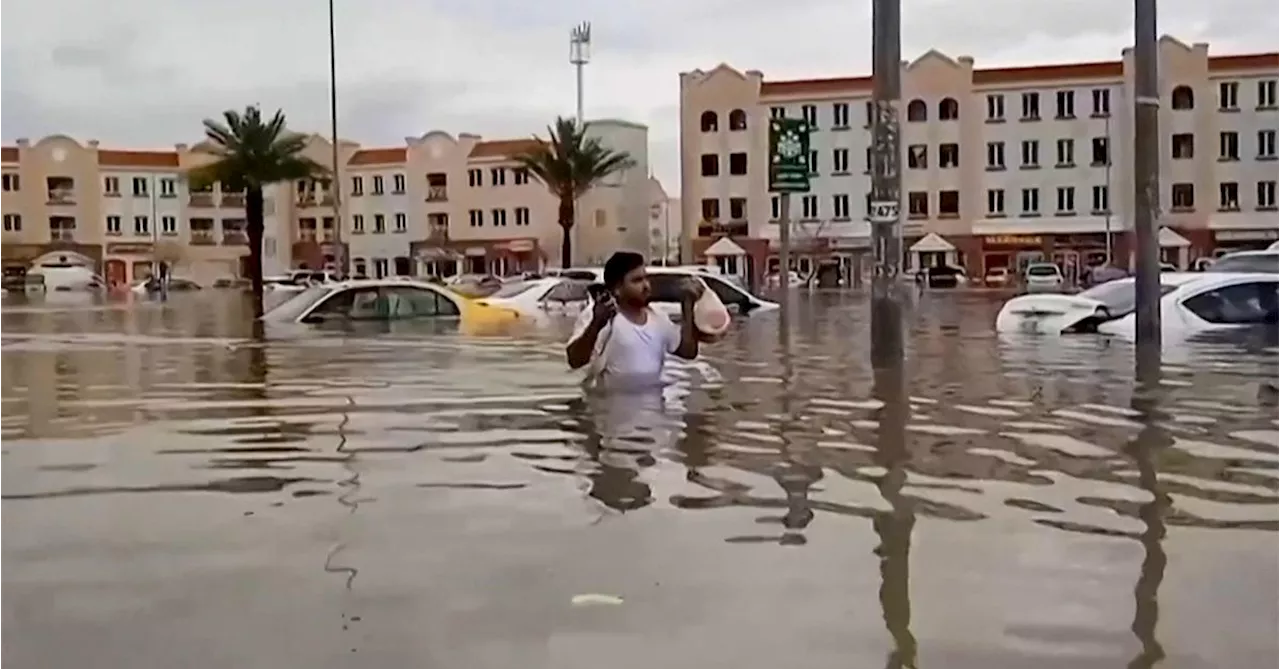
(177, 496)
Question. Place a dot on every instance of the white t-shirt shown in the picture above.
(627, 354)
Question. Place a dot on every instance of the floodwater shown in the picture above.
(177, 495)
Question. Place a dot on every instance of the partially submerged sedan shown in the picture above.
(1191, 304)
(374, 300)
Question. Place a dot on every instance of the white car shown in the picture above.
(298, 280)
(384, 300)
(1248, 261)
(1042, 276)
(567, 293)
(1191, 304)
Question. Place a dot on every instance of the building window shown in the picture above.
(737, 208)
(113, 225)
(777, 112)
(1066, 104)
(995, 107)
(357, 185)
(710, 165)
(401, 223)
(810, 114)
(1229, 96)
(519, 176)
(397, 184)
(917, 157)
(949, 203)
(1267, 94)
(710, 122)
(379, 268)
(1031, 106)
(840, 206)
(1030, 153)
(377, 186)
(840, 115)
(1184, 145)
(1266, 195)
(775, 208)
(1228, 146)
(813, 162)
(139, 186)
(141, 225)
(737, 120)
(840, 161)
(1066, 153)
(111, 186)
(995, 202)
(995, 155)
(1101, 102)
(737, 164)
(1030, 201)
(500, 218)
(379, 224)
(948, 109)
(1183, 197)
(918, 204)
(1101, 200)
(1229, 196)
(917, 111)
(169, 225)
(475, 178)
(711, 209)
(1183, 98)
(1066, 200)
(949, 156)
(357, 224)
(1101, 152)
(1266, 144)
(168, 187)
(809, 207)
(871, 113)
(522, 216)
(475, 218)
(498, 176)
(11, 183)
(12, 222)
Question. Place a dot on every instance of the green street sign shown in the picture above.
(789, 155)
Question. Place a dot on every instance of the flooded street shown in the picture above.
(178, 495)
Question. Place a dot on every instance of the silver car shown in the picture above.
(1043, 277)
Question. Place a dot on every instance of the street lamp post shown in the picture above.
(886, 185)
(335, 184)
(579, 56)
(1146, 167)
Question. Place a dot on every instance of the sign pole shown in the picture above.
(886, 186)
(1146, 167)
(788, 173)
(784, 250)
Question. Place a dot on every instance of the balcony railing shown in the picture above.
(306, 200)
(716, 228)
(437, 194)
(202, 238)
(62, 235)
(200, 200)
(233, 199)
(234, 239)
(62, 196)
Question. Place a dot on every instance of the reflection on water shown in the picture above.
(414, 498)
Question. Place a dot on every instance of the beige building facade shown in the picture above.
(437, 205)
(1000, 167)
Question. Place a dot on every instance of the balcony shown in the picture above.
(306, 200)
(62, 196)
(200, 200)
(438, 235)
(233, 199)
(62, 236)
(307, 236)
(203, 238)
(437, 194)
(721, 229)
(234, 239)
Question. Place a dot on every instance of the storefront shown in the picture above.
(1071, 252)
(1227, 241)
(750, 265)
(498, 257)
(18, 258)
(126, 264)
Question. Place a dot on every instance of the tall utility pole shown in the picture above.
(886, 184)
(579, 56)
(1146, 191)
(335, 184)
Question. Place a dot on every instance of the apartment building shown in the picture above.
(438, 205)
(999, 166)
(664, 225)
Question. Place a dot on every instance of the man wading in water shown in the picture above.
(625, 340)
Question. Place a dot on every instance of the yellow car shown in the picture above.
(365, 300)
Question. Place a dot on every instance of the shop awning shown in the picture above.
(1171, 239)
(932, 243)
(437, 253)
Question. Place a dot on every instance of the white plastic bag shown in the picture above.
(710, 315)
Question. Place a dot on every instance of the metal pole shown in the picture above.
(579, 56)
(1146, 163)
(886, 184)
(155, 231)
(784, 252)
(335, 184)
(1109, 261)
(666, 233)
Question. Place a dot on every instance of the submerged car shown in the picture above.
(1247, 261)
(1191, 304)
(389, 300)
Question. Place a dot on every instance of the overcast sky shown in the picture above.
(143, 73)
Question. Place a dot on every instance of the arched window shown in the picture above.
(737, 120)
(948, 109)
(710, 122)
(917, 111)
(1183, 98)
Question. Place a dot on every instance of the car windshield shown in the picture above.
(513, 289)
(1251, 262)
(1118, 296)
(292, 308)
(1042, 270)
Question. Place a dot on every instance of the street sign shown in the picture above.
(883, 211)
(789, 155)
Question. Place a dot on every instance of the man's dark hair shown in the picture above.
(619, 265)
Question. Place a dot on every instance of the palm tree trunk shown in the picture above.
(566, 229)
(254, 230)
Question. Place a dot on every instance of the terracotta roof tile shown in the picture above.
(503, 148)
(394, 156)
(110, 158)
(9, 154)
(1013, 75)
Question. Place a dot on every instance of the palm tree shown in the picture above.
(570, 164)
(250, 153)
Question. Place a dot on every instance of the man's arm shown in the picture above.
(579, 349)
(688, 347)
